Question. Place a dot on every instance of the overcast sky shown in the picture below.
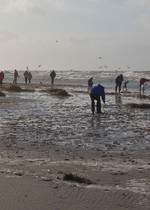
(75, 34)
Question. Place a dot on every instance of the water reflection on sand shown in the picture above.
(30, 117)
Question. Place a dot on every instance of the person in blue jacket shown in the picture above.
(95, 94)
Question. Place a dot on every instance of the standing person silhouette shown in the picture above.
(26, 76)
(90, 83)
(118, 81)
(52, 75)
(15, 76)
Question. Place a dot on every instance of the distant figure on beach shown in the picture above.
(118, 81)
(1, 77)
(142, 84)
(15, 76)
(95, 94)
(90, 83)
(29, 77)
(125, 85)
(26, 76)
(52, 76)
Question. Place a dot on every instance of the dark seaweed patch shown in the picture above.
(56, 92)
(75, 178)
(143, 106)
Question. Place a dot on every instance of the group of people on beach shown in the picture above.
(98, 91)
(27, 76)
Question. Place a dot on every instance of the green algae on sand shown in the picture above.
(142, 106)
(56, 92)
(16, 88)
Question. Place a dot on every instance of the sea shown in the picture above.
(67, 122)
(80, 77)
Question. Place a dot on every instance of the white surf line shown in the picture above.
(104, 165)
(115, 165)
(136, 186)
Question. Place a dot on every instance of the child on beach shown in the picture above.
(125, 85)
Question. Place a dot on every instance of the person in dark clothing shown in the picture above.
(15, 76)
(26, 73)
(90, 83)
(52, 75)
(95, 94)
(118, 81)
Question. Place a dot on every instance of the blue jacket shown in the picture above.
(99, 91)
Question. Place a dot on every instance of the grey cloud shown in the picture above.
(7, 36)
(24, 7)
(144, 20)
(80, 40)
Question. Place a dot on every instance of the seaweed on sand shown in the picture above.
(142, 96)
(2, 94)
(75, 178)
(16, 88)
(80, 91)
(143, 106)
(56, 92)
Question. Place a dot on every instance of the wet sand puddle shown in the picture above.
(68, 122)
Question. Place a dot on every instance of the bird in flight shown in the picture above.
(39, 65)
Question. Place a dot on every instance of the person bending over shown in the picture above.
(142, 83)
(95, 93)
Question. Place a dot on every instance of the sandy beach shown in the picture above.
(37, 150)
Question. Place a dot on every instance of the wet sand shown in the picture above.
(34, 159)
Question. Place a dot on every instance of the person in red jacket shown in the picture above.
(1, 77)
(29, 77)
(142, 83)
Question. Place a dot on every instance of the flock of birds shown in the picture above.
(128, 67)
